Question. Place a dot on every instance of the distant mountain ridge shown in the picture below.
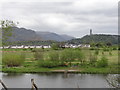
(22, 34)
(53, 36)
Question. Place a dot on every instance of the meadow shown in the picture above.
(80, 60)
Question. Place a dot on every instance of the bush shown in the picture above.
(119, 48)
(79, 55)
(51, 61)
(96, 52)
(38, 55)
(103, 62)
(114, 48)
(53, 56)
(106, 49)
(13, 59)
(47, 64)
(93, 59)
(93, 48)
(37, 50)
(110, 53)
(102, 52)
(67, 55)
(55, 46)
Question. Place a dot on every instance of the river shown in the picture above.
(56, 80)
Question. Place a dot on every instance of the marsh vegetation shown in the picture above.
(85, 60)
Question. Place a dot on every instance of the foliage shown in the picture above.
(97, 38)
(53, 56)
(6, 28)
(55, 46)
(47, 64)
(13, 59)
(96, 52)
(62, 58)
(103, 62)
(92, 59)
(68, 55)
(114, 48)
(79, 56)
(106, 49)
(51, 61)
(108, 44)
(110, 53)
(38, 55)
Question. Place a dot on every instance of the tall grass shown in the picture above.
(13, 59)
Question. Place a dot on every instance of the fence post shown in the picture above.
(33, 85)
(3, 85)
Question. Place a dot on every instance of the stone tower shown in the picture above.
(90, 31)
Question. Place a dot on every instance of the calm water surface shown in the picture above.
(57, 80)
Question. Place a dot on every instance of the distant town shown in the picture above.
(47, 46)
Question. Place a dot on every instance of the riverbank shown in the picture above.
(88, 70)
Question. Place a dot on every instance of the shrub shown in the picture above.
(37, 50)
(114, 48)
(67, 55)
(38, 55)
(47, 64)
(102, 52)
(119, 48)
(93, 59)
(51, 61)
(13, 59)
(24, 49)
(79, 55)
(53, 56)
(92, 48)
(106, 49)
(103, 62)
(55, 46)
(110, 53)
(96, 52)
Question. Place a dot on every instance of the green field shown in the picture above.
(34, 64)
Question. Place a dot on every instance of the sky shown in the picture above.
(71, 17)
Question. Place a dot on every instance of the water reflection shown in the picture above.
(56, 80)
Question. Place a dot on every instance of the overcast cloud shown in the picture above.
(72, 17)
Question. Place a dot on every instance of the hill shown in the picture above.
(53, 36)
(22, 34)
(96, 38)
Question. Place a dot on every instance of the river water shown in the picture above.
(56, 80)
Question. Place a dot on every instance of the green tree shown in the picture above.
(6, 30)
(55, 46)
(103, 62)
(68, 55)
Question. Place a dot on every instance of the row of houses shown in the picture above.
(48, 46)
(77, 46)
(23, 46)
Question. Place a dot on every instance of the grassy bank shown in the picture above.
(90, 70)
(87, 62)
